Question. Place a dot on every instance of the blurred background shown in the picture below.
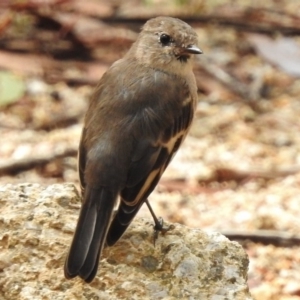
(238, 171)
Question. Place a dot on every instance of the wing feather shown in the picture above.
(133, 196)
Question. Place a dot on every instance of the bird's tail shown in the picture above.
(90, 233)
(121, 221)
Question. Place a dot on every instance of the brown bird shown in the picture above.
(138, 116)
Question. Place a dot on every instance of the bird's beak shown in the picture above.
(191, 49)
(184, 53)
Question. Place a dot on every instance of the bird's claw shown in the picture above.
(160, 227)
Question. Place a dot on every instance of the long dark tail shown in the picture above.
(90, 233)
(121, 221)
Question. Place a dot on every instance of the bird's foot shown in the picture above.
(159, 226)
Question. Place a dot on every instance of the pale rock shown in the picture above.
(36, 227)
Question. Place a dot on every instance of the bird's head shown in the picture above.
(166, 43)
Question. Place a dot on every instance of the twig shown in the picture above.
(227, 174)
(234, 85)
(274, 237)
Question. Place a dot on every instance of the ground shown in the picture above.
(238, 170)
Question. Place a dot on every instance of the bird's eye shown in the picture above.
(165, 39)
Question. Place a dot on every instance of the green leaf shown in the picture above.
(12, 88)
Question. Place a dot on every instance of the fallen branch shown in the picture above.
(219, 176)
(14, 166)
(249, 19)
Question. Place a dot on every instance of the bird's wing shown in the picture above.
(149, 161)
(153, 159)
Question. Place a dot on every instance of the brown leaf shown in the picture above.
(53, 70)
(91, 32)
(93, 8)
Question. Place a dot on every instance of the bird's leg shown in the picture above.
(158, 222)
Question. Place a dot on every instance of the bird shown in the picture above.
(138, 116)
